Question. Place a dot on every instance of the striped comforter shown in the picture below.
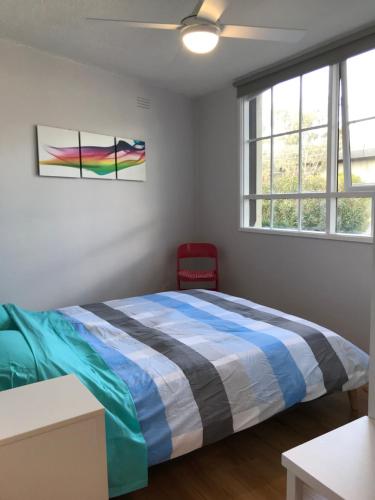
(201, 365)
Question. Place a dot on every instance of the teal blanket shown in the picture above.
(59, 350)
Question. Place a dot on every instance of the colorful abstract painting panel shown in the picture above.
(98, 156)
(58, 152)
(131, 159)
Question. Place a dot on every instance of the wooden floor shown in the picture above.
(247, 465)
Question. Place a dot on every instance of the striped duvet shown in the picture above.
(201, 365)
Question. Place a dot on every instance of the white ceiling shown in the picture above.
(59, 26)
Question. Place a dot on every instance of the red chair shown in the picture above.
(193, 251)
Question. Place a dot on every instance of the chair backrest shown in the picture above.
(191, 250)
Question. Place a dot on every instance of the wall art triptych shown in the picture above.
(69, 153)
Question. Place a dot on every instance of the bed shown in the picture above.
(179, 370)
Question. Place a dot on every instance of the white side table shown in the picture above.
(52, 443)
(339, 465)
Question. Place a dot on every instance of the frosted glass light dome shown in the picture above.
(200, 39)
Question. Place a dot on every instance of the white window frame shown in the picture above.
(331, 195)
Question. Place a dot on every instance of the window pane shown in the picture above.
(260, 152)
(361, 85)
(286, 106)
(262, 121)
(340, 177)
(315, 98)
(285, 214)
(285, 164)
(313, 214)
(266, 213)
(362, 152)
(314, 160)
(262, 215)
(353, 216)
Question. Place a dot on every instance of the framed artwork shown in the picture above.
(58, 152)
(98, 156)
(130, 159)
(69, 153)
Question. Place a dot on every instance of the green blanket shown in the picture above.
(59, 350)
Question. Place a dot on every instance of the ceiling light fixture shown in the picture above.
(201, 30)
(199, 38)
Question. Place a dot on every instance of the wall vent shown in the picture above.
(143, 102)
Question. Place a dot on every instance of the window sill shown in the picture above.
(308, 234)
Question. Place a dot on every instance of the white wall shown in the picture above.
(324, 281)
(69, 241)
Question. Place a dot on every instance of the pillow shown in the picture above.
(17, 364)
(6, 323)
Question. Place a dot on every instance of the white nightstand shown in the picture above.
(52, 443)
(339, 465)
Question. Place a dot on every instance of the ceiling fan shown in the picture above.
(200, 32)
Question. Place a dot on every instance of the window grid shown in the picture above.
(332, 195)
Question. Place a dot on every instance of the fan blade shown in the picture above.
(136, 24)
(212, 9)
(259, 33)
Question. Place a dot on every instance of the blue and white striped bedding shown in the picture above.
(201, 365)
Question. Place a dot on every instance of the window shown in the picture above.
(308, 144)
(359, 116)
